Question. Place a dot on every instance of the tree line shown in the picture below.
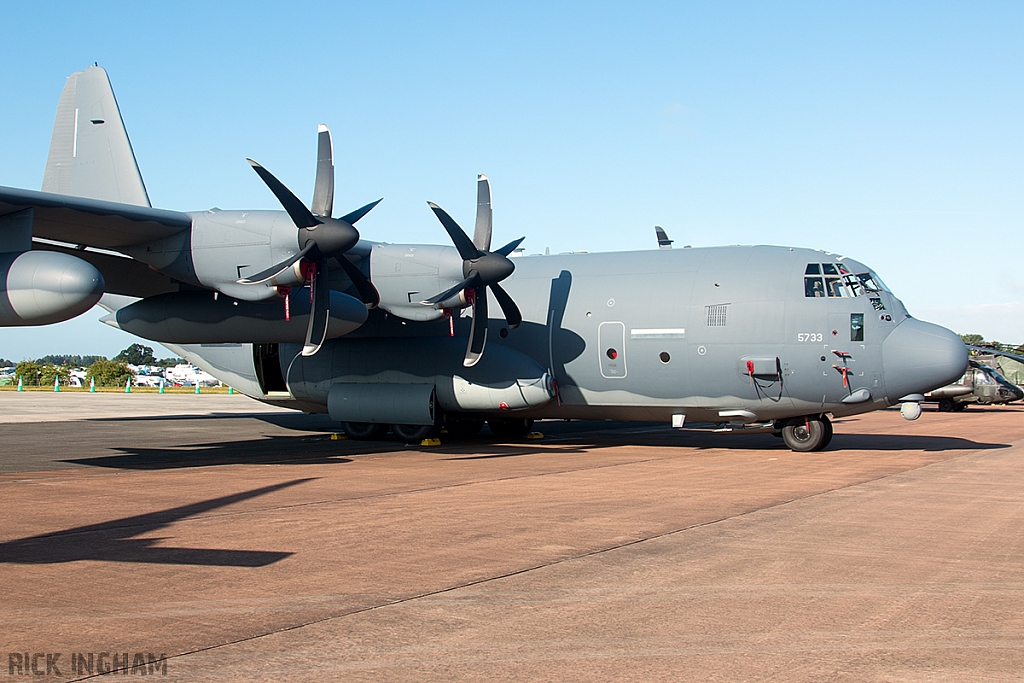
(104, 372)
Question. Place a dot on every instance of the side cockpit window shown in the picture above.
(835, 280)
(813, 286)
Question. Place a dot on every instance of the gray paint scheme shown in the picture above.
(568, 300)
(632, 336)
(90, 154)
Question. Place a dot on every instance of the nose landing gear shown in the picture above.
(806, 434)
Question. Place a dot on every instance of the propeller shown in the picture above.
(320, 238)
(481, 269)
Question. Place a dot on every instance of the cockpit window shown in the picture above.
(839, 282)
(813, 287)
(834, 287)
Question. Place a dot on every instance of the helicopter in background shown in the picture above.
(984, 382)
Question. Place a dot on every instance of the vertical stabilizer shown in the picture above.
(90, 154)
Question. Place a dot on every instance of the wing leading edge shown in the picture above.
(92, 222)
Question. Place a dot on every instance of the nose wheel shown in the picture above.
(807, 434)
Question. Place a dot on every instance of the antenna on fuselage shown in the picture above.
(663, 241)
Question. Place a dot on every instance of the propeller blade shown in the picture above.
(320, 311)
(482, 234)
(449, 293)
(367, 292)
(478, 330)
(300, 215)
(323, 190)
(510, 247)
(512, 315)
(351, 218)
(275, 270)
(467, 250)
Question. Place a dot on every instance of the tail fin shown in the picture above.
(90, 154)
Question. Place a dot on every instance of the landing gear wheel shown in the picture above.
(959, 406)
(810, 434)
(946, 405)
(828, 433)
(463, 428)
(415, 433)
(511, 429)
(364, 431)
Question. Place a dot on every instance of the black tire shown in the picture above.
(515, 428)
(463, 428)
(828, 433)
(807, 435)
(945, 405)
(959, 406)
(364, 431)
(415, 433)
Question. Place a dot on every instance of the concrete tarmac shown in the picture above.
(254, 547)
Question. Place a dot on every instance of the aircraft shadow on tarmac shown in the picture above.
(564, 439)
(114, 541)
(308, 450)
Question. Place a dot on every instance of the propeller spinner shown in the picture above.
(482, 269)
(320, 238)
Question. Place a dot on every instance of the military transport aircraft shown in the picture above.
(293, 308)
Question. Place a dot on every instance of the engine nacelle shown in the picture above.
(406, 274)
(193, 317)
(44, 287)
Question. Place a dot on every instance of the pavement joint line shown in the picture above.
(544, 565)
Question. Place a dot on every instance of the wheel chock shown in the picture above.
(535, 435)
(338, 437)
(430, 442)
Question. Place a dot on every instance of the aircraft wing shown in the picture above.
(92, 222)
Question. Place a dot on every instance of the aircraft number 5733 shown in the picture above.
(809, 337)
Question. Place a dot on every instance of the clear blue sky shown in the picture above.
(890, 132)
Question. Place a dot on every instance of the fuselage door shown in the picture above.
(611, 346)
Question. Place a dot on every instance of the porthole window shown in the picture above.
(664, 357)
(612, 353)
(503, 332)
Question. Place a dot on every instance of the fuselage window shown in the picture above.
(813, 269)
(857, 327)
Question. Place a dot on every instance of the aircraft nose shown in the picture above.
(919, 356)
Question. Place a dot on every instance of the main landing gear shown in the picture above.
(806, 434)
(368, 431)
